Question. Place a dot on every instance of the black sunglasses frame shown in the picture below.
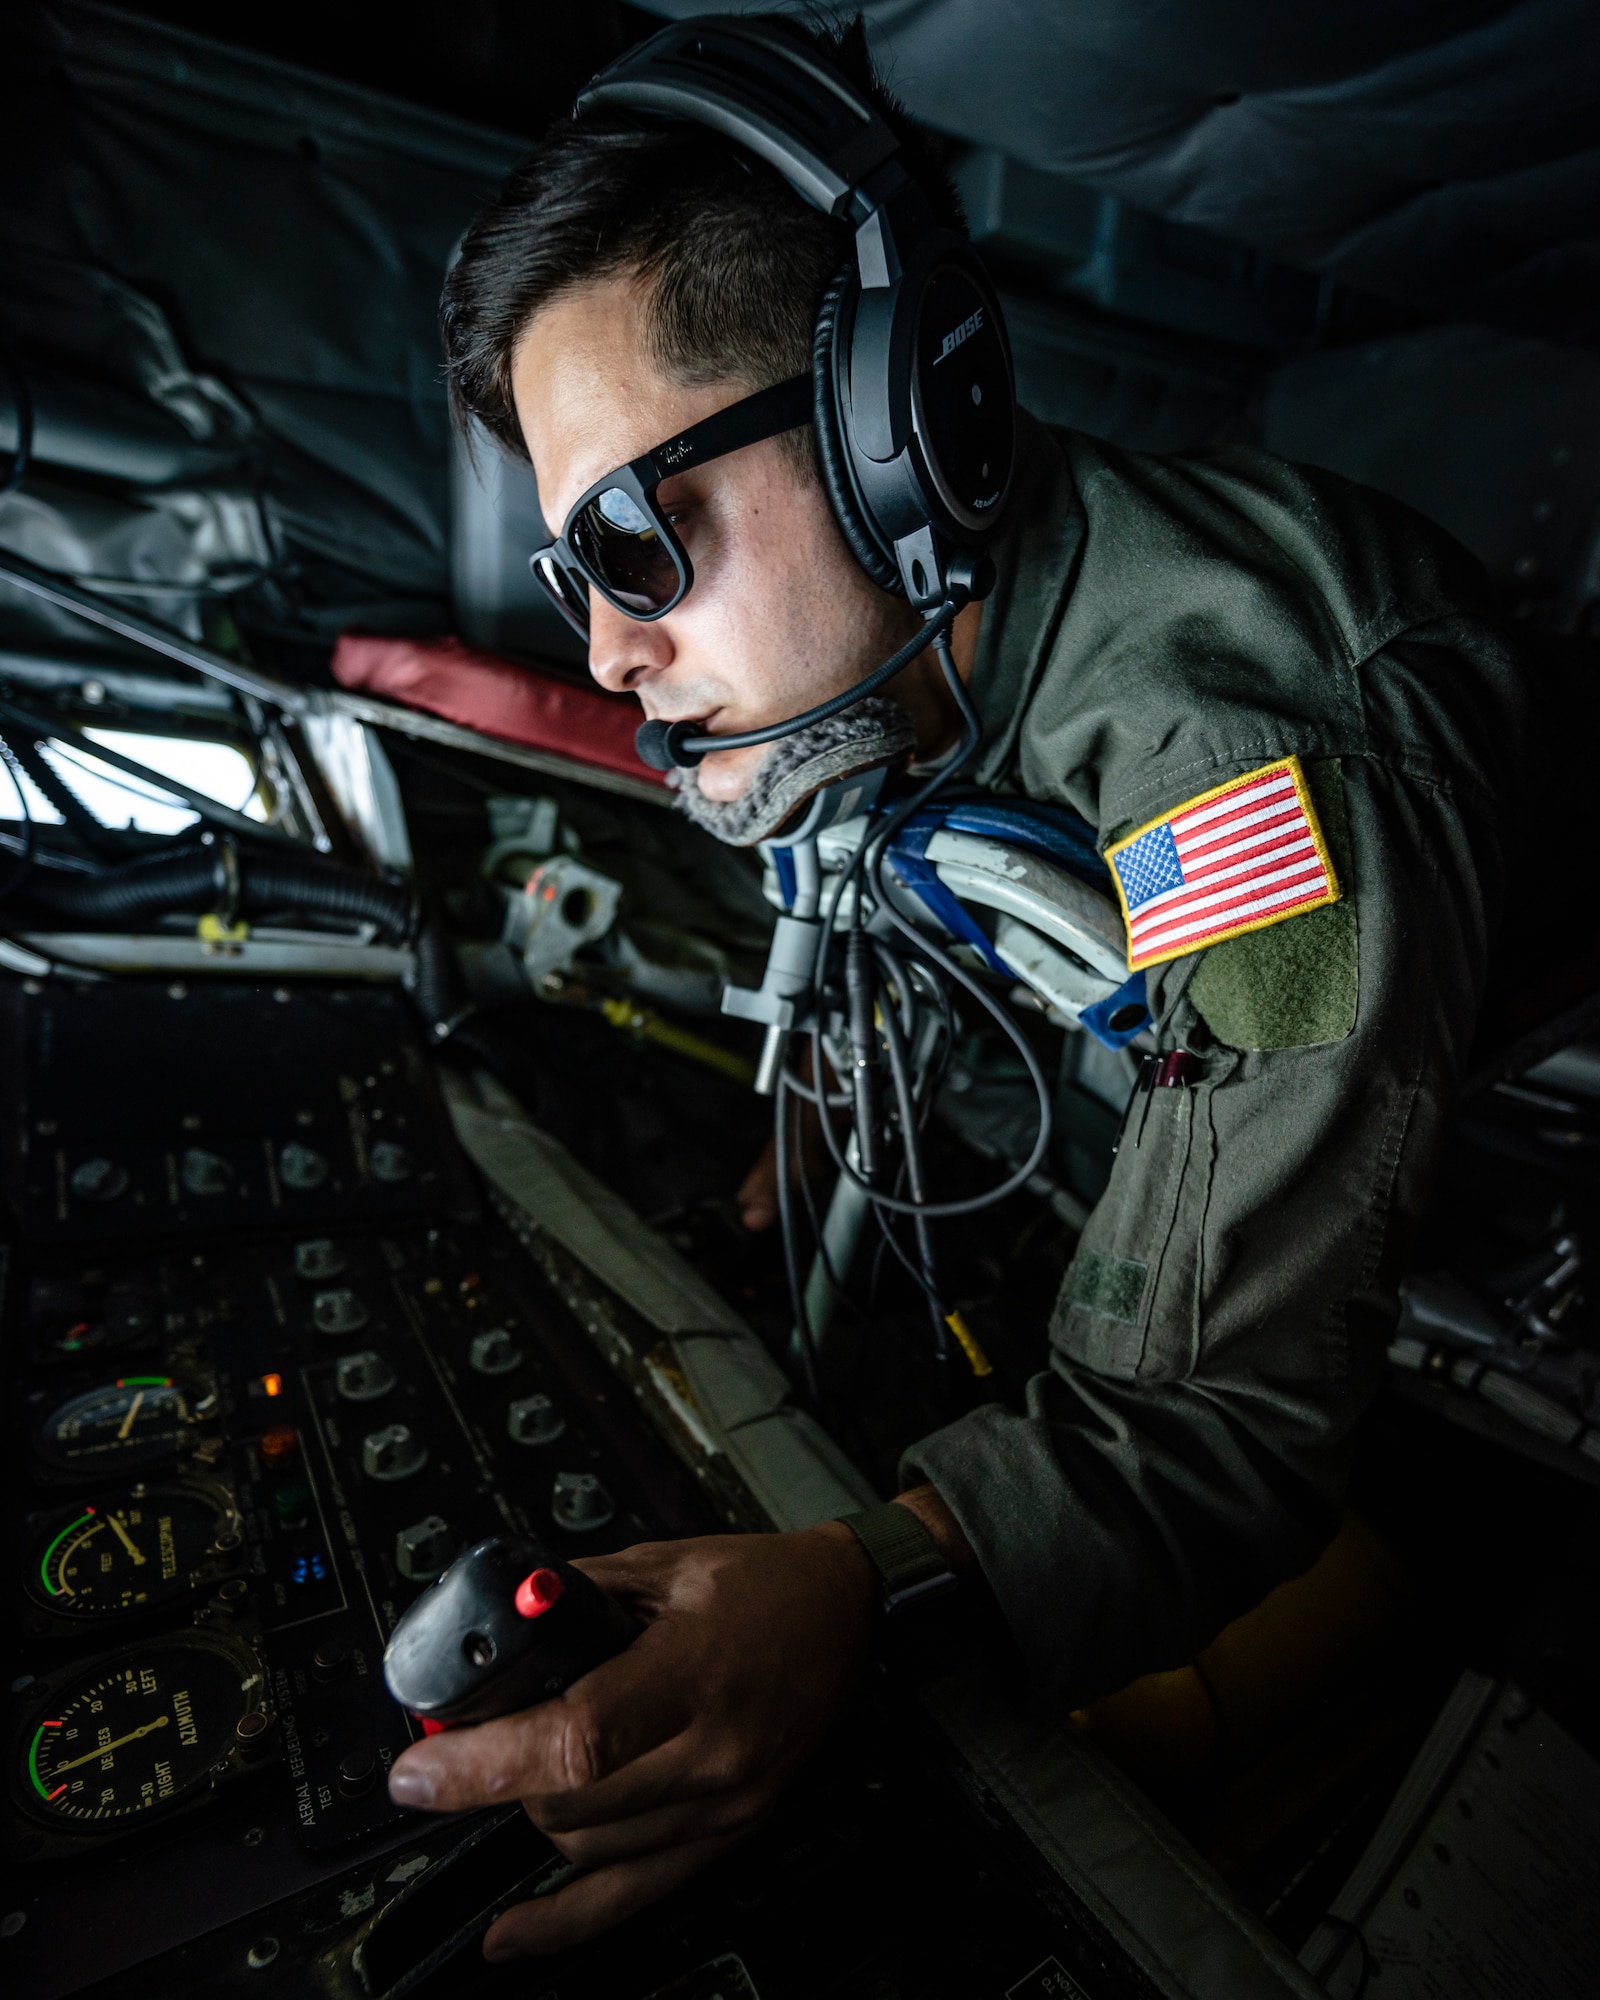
(560, 568)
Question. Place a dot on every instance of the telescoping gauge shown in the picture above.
(130, 1551)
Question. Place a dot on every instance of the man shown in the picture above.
(1159, 630)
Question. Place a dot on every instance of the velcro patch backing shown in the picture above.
(1104, 1284)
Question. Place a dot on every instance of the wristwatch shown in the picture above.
(910, 1564)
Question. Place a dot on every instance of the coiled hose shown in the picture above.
(217, 875)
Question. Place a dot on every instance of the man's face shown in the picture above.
(779, 615)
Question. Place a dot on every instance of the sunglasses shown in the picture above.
(618, 540)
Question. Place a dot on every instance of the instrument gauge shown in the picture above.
(130, 1552)
(136, 1420)
(134, 1734)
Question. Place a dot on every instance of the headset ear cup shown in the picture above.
(833, 454)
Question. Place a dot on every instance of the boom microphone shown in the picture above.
(663, 745)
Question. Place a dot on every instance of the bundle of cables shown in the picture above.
(237, 868)
(898, 1015)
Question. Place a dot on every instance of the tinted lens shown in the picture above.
(624, 551)
(571, 593)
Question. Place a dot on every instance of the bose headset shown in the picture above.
(914, 397)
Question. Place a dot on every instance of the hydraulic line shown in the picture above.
(199, 878)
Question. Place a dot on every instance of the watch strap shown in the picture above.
(909, 1562)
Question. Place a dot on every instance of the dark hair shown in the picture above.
(735, 260)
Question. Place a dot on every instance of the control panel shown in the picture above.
(272, 1371)
(273, 1368)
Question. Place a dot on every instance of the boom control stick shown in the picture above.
(507, 1625)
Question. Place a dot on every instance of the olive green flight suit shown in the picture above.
(1161, 626)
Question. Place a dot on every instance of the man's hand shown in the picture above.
(650, 1766)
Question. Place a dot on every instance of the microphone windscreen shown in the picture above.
(650, 744)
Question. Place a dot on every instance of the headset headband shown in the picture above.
(762, 85)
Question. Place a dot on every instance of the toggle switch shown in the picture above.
(357, 1774)
(302, 1167)
(338, 1311)
(98, 1180)
(319, 1258)
(390, 1162)
(425, 1549)
(534, 1420)
(205, 1173)
(495, 1352)
(395, 1452)
(363, 1377)
(579, 1503)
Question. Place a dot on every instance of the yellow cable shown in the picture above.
(981, 1364)
(649, 1027)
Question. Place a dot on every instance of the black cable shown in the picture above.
(791, 1259)
(893, 965)
(837, 1098)
(22, 452)
(871, 855)
(911, 1149)
(808, 1195)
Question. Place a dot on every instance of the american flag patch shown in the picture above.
(1237, 858)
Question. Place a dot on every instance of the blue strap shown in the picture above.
(1055, 833)
(908, 855)
(1098, 1018)
(783, 861)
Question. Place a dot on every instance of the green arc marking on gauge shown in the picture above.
(33, 1764)
(144, 1381)
(44, 1565)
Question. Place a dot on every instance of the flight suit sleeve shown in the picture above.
(1225, 1319)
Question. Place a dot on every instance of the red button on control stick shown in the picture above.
(537, 1592)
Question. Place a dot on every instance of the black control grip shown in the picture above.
(507, 1625)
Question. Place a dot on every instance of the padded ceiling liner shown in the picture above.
(1445, 153)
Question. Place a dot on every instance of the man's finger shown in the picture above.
(596, 1902)
(626, 1707)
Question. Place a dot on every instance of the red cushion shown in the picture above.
(482, 691)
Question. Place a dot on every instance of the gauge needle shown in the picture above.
(125, 1538)
(105, 1749)
(133, 1411)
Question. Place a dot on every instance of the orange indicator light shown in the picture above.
(272, 1385)
(279, 1444)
